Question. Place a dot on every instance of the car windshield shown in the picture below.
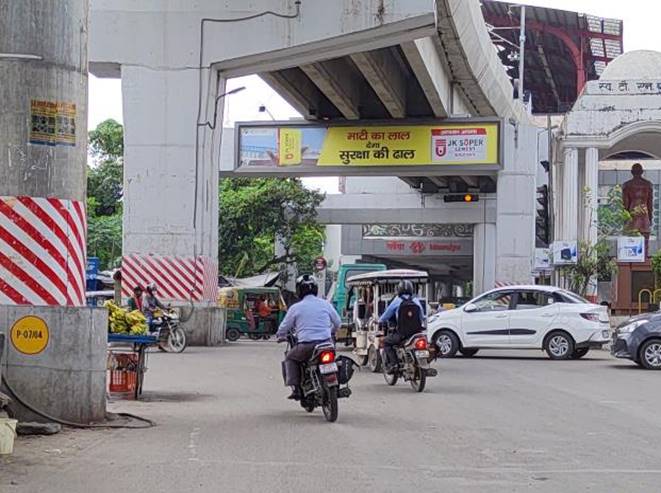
(573, 297)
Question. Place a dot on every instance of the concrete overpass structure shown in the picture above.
(333, 61)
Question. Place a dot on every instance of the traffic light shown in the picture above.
(461, 197)
(542, 217)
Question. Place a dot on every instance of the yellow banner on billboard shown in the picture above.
(410, 145)
(289, 144)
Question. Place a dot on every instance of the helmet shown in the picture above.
(306, 285)
(151, 287)
(137, 288)
(405, 287)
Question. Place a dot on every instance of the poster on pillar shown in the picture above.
(339, 149)
(564, 252)
(631, 249)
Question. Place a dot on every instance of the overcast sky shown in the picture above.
(641, 31)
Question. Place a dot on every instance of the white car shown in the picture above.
(562, 323)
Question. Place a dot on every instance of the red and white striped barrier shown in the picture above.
(42, 251)
(177, 278)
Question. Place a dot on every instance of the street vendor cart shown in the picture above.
(368, 297)
(127, 362)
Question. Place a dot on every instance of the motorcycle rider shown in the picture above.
(408, 323)
(314, 321)
(151, 304)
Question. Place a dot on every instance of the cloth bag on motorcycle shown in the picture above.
(345, 369)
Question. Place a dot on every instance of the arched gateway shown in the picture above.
(616, 118)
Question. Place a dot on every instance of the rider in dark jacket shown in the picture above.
(405, 291)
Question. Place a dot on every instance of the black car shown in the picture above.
(639, 339)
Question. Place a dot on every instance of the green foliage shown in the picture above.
(593, 261)
(656, 267)
(104, 236)
(107, 141)
(104, 193)
(254, 212)
(613, 217)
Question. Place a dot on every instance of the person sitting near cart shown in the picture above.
(151, 304)
(407, 312)
(137, 300)
(314, 321)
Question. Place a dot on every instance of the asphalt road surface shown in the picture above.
(502, 421)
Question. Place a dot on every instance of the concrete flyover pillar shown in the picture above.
(171, 194)
(569, 229)
(591, 181)
(484, 257)
(43, 151)
(55, 354)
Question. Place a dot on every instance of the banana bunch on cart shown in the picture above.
(124, 322)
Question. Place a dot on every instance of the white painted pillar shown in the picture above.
(592, 184)
(484, 257)
(569, 230)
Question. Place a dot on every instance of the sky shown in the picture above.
(641, 31)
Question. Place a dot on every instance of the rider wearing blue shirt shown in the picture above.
(314, 321)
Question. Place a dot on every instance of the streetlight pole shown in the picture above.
(522, 50)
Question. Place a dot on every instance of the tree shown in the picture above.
(254, 212)
(107, 141)
(104, 192)
(595, 261)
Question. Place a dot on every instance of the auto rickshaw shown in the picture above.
(369, 296)
(253, 312)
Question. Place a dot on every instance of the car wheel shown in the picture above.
(468, 352)
(650, 354)
(579, 353)
(559, 345)
(447, 344)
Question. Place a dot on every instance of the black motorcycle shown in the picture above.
(412, 363)
(324, 378)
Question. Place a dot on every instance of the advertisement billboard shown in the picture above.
(564, 252)
(338, 149)
(631, 249)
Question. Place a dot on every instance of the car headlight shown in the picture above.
(628, 328)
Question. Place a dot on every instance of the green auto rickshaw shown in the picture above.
(253, 312)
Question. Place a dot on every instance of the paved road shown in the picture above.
(506, 421)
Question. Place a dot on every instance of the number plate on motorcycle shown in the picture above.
(329, 368)
(422, 354)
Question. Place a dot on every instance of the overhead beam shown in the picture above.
(386, 77)
(439, 181)
(430, 69)
(471, 181)
(296, 89)
(339, 82)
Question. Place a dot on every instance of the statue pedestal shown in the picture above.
(632, 277)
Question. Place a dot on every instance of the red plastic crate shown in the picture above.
(122, 374)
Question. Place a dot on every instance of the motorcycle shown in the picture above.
(171, 336)
(412, 362)
(324, 378)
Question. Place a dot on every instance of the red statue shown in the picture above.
(637, 196)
